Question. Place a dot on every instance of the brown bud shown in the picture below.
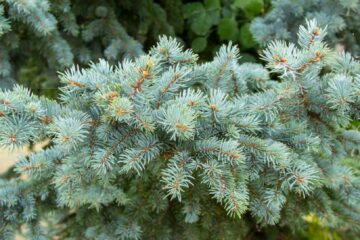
(46, 120)
(75, 84)
(12, 138)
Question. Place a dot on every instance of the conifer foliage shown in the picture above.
(162, 147)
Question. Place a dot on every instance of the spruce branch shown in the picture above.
(160, 141)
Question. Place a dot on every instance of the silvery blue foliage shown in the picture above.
(160, 146)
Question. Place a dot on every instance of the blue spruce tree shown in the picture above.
(162, 147)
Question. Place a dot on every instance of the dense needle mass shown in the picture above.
(163, 147)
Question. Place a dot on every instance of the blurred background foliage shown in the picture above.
(341, 17)
(40, 37)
